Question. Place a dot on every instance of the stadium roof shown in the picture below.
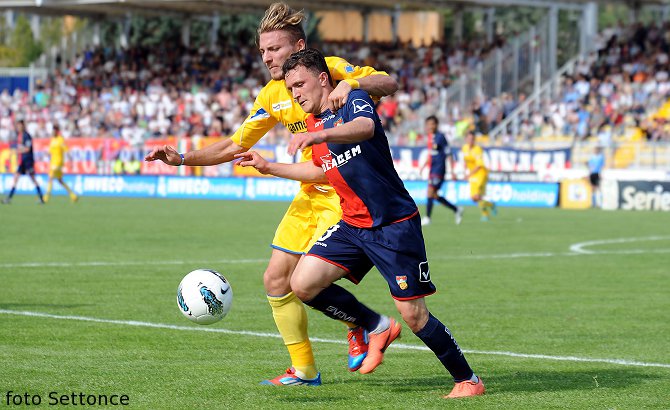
(207, 7)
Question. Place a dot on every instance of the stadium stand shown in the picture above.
(136, 94)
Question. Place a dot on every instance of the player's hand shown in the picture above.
(304, 140)
(253, 159)
(166, 153)
(338, 97)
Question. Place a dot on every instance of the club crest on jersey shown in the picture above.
(362, 106)
(401, 281)
(333, 160)
(338, 122)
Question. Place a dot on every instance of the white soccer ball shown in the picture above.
(204, 296)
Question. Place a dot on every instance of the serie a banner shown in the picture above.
(651, 195)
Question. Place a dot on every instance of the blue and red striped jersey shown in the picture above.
(371, 192)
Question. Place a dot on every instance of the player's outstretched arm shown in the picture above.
(302, 171)
(360, 129)
(379, 85)
(217, 153)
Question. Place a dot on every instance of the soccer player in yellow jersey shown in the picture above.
(57, 150)
(316, 207)
(477, 175)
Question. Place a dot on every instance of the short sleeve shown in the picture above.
(257, 124)
(359, 104)
(340, 69)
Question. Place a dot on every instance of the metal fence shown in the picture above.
(518, 67)
(509, 69)
(509, 127)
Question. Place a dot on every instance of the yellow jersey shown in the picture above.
(274, 104)
(57, 150)
(474, 157)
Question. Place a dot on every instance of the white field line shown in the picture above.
(580, 247)
(520, 255)
(123, 263)
(621, 362)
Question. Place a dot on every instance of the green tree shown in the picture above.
(51, 31)
(23, 43)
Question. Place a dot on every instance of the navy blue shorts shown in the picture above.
(397, 250)
(26, 168)
(436, 181)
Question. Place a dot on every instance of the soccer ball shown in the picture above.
(204, 296)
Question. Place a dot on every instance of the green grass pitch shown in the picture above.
(551, 285)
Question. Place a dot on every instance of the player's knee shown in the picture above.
(276, 281)
(415, 317)
(300, 288)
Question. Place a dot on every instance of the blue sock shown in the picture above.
(446, 203)
(338, 303)
(11, 193)
(39, 192)
(438, 338)
(429, 207)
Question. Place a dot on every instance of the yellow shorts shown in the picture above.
(56, 172)
(307, 218)
(478, 186)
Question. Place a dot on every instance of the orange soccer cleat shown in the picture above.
(358, 347)
(378, 342)
(467, 388)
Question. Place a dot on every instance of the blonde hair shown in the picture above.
(280, 16)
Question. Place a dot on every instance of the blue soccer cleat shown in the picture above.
(358, 347)
(290, 379)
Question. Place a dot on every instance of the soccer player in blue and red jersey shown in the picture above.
(380, 223)
(439, 153)
(27, 161)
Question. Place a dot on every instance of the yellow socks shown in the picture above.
(291, 320)
(484, 207)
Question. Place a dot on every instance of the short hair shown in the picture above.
(280, 16)
(433, 118)
(311, 59)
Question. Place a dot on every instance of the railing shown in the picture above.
(510, 126)
(510, 69)
(507, 70)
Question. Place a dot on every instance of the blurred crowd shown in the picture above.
(140, 93)
(611, 90)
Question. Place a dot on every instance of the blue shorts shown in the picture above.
(436, 181)
(26, 168)
(397, 250)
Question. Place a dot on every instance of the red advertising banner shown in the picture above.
(157, 167)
